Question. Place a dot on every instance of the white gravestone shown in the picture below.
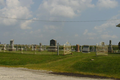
(4, 47)
(67, 48)
(101, 49)
(32, 48)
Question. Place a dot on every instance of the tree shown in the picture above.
(118, 25)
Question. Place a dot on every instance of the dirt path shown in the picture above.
(27, 74)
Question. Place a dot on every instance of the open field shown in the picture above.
(79, 63)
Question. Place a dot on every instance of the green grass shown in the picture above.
(81, 63)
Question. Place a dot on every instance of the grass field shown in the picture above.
(81, 63)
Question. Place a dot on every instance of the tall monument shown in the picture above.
(77, 48)
(110, 49)
(12, 45)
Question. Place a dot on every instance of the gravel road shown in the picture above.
(27, 74)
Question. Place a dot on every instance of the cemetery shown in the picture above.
(98, 60)
(67, 48)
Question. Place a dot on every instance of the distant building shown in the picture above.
(0, 42)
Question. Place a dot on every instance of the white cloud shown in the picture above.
(92, 38)
(107, 3)
(1, 2)
(25, 25)
(36, 33)
(76, 35)
(50, 29)
(91, 34)
(13, 9)
(106, 36)
(31, 32)
(111, 23)
(103, 27)
(85, 32)
(88, 33)
(64, 8)
(26, 3)
(104, 30)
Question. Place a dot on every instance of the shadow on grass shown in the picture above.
(81, 75)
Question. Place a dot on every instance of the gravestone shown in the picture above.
(29, 46)
(67, 48)
(16, 47)
(119, 45)
(32, 47)
(80, 48)
(92, 49)
(102, 44)
(101, 49)
(72, 49)
(86, 49)
(53, 42)
(12, 45)
(77, 48)
(25, 48)
(4, 47)
(45, 47)
(53, 46)
(7, 47)
(110, 49)
(35, 47)
(40, 49)
(21, 49)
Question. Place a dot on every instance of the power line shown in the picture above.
(59, 21)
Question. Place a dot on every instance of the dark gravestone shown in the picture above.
(53, 46)
(12, 46)
(110, 49)
(119, 45)
(35, 47)
(53, 42)
(41, 44)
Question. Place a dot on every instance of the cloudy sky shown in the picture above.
(76, 21)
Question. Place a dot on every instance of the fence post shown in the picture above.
(57, 48)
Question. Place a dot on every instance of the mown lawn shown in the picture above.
(82, 63)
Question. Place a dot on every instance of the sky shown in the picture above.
(83, 22)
